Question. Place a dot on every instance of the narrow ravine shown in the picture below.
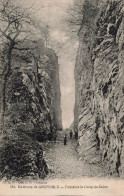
(61, 69)
(64, 163)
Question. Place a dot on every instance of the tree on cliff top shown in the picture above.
(13, 30)
(17, 27)
(80, 13)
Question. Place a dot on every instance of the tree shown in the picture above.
(14, 30)
(80, 13)
(43, 30)
(73, 19)
(18, 31)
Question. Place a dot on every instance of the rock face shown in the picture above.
(32, 110)
(99, 70)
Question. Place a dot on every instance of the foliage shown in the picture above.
(81, 13)
(14, 21)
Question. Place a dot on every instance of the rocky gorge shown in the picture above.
(33, 144)
(99, 85)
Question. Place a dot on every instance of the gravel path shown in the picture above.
(64, 161)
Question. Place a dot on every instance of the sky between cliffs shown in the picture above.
(53, 13)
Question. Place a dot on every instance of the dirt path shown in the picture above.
(65, 163)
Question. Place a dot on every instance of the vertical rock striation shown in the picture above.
(99, 108)
(32, 110)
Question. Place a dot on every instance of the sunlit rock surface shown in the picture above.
(99, 70)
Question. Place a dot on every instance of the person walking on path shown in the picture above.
(65, 139)
(76, 135)
(71, 134)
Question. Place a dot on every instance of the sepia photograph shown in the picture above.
(61, 97)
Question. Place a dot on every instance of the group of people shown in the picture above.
(71, 136)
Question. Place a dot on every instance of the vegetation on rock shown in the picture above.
(30, 102)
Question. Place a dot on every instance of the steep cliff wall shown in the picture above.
(32, 110)
(99, 117)
(55, 95)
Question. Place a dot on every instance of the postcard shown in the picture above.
(61, 98)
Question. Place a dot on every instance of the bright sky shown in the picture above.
(52, 14)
